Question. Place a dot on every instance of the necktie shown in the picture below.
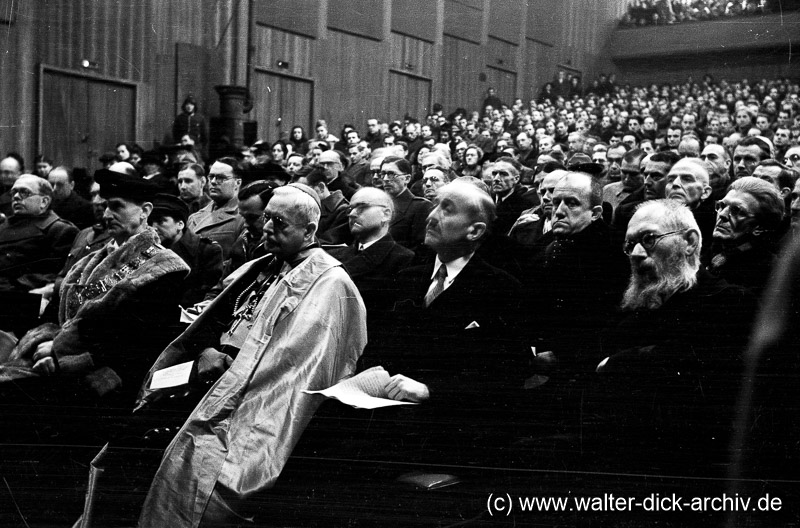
(438, 286)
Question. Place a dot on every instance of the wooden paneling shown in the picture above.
(196, 73)
(280, 103)
(107, 32)
(539, 63)
(361, 17)
(463, 62)
(504, 82)
(408, 96)
(463, 20)
(355, 89)
(412, 55)
(753, 64)
(273, 45)
(415, 18)
(505, 19)
(543, 19)
(502, 55)
(82, 117)
(297, 16)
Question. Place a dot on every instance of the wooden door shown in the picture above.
(408, 95)
(280, 103)
(82, 117)
(505, 82)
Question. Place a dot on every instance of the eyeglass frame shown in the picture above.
(359, 208)
(277, 222)
(648, 245)
(23, 193)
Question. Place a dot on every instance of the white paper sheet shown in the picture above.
(363, 391)
(172, 376)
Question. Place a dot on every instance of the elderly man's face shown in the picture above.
(449, 223)
(367, 214)
(394, 180)
(546, 188)
(655, 179)
(26, 197)
(795, 197)
(504, 177)
(62, 187)
(9, 172)
(572, 210)
(735, 216)
(124, 218)
(284, 231)
(330, 165)
(745, 160)
(650, 265)
(717, 163)
(252, 211)
(792, 158)
(769, 175)
(432, 181)
(190, 186)
(687, 183)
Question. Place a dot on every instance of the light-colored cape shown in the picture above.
(309, 336)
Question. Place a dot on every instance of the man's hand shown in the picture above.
(403, 388)
(43, 361)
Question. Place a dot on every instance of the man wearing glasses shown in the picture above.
(673, 361)
(34, 243)
(410, 212)
(220, 220)
(289, 321)
(746, 233)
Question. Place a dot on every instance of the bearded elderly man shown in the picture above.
(289, 321)
(116, 304)
(674, 359)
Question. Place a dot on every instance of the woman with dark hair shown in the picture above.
(280, 152)
(472, 162)
(191, 122)
(298, 140)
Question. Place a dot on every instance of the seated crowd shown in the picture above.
(660, 12)
(593, 255)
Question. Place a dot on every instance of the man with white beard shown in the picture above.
(674, 362)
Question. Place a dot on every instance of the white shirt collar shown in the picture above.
(454, 267)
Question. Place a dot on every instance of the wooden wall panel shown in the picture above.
(502, 55)
(504, 82)
(415, 18)
(754, 64)
(463, 62)
(361, 17)
(539, 63)
(505, 19)
(411, 54)
(273, 45)
(408, 96)
(280, 103)
(463, 21)
(355, 89)
(297, 16)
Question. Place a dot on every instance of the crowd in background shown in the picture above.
(668, 12)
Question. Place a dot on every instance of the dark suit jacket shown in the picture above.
(370, 270)
(340, 184)
(33, 250)
(75, 209)
(624, 211)
(410, 217)
(436, 345)
(333, 227)
(204, 257)
(508, 210)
